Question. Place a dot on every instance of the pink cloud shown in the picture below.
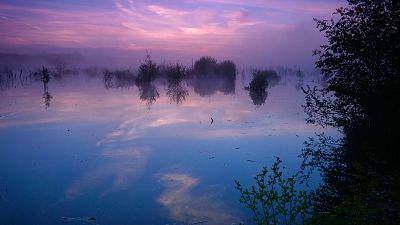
(220, 27)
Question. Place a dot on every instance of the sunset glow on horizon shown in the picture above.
(214, 27)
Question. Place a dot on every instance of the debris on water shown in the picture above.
(212, 120)
(204, 221)
(237, 148)
(250, 160)
(79, 218)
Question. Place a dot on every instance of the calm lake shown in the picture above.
(87, 150)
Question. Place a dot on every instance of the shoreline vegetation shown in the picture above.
(360, 171)
(206, 77)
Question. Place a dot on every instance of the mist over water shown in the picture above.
(106, 143)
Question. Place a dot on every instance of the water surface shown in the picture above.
(87, 152)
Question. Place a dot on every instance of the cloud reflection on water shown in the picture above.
(183, 205)
(121, 168)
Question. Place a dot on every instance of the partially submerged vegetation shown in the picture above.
(206, 77)
(258, 86)
(276, 198)
(360, 170)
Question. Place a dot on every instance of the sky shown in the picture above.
(257, 31)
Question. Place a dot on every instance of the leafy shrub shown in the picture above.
(275, 199)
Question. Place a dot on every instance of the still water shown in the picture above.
(84, 152)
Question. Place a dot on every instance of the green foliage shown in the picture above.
(275, 199)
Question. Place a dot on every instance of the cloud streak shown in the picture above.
(218, 27)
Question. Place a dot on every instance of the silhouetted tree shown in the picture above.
(205, 65)
(258, 87)
(176, 73)
(208, 76)
(46, 94)
(227, 68)
(147, 71)
(45, 78)
(361, 66)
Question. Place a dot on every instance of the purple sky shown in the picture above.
(257, 31)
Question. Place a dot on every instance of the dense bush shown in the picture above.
(147, 71)
(205, 65)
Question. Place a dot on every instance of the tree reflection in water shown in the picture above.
(176, 92)
(148, 93)
(361, 170)
(46, 94)
(207, 76)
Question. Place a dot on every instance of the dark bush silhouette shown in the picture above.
(208, 76)
(176, 73)
(258, 87)
(147, 71)
(259, 81)
(361, 65)
(227, 68)
(205, 65)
